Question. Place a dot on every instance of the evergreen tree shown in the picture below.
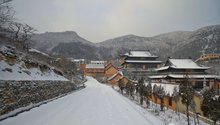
(141, 89)
(121, 85)
(186, 91)
(148, 93)
(130, 87)
(161, 94)
(211, 105)
(155, 92)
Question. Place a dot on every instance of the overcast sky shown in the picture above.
(98, 20)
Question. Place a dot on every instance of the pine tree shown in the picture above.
(211, 105)
(130, 87)
(155, 92)
(141, 89)
(121, 85)
(161, 94)
(186, 91)
(148, 93)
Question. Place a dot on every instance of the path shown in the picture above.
(97, 104)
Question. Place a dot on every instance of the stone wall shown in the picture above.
(16, 94)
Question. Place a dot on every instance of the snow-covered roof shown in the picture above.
(91, 65)
(192, 76)
(162, 68)
(139, 53)
(158, 76)
(181, 64)
(185, 64)
(183, 76)
(142, 61)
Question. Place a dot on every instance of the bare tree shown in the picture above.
(22, 34)
(16, 28)
(28, 32)
(6, 13)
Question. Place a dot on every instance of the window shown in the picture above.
(198, 85)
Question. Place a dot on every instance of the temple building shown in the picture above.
(176, 70)
(99, 69)
(94, 68)
(139, 59)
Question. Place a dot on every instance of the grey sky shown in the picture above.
(98, 20)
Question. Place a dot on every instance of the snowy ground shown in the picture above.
(168, 116)
(97, 104)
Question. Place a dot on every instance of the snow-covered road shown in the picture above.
(97, 104)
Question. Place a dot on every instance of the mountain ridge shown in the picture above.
(47, 41)
(167, 44)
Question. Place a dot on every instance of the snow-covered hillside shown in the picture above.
(47, 41)
(18, 72)
(179, 44)
(15, 65)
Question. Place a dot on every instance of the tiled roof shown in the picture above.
(142, 61)
(185, 63)
(139, 53)
(183, 76)
(182, 64)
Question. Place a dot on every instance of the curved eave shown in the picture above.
(168, 67)
(176, 76)
(139, 61)
(142, 56)
(204, 68)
